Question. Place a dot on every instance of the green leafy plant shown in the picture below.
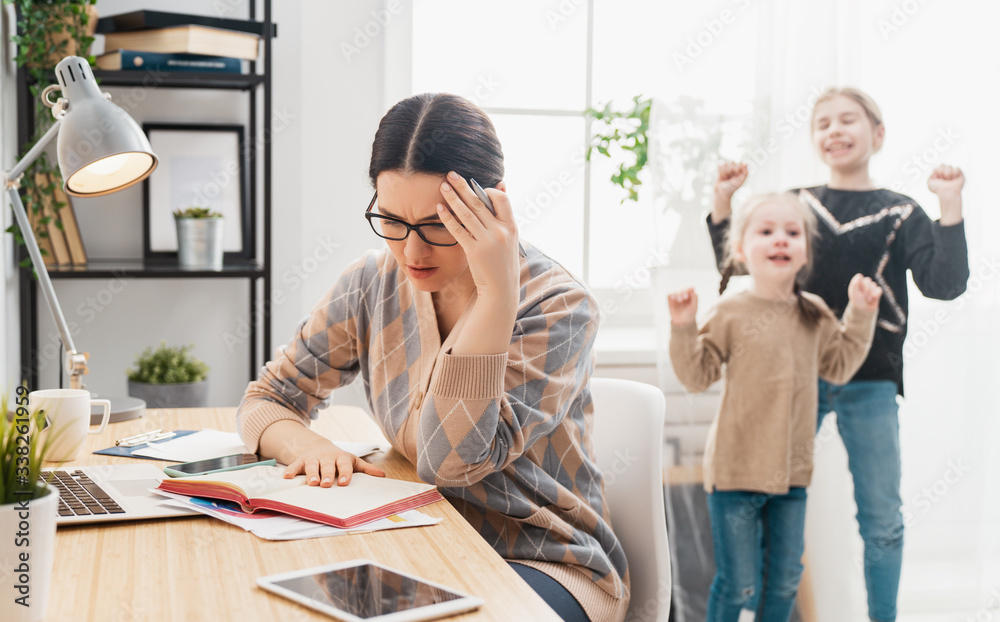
(626, 131)
(167, 365)
(196, 212)
(22, 450)
(47, 31)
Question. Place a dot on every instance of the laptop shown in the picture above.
(111, 492)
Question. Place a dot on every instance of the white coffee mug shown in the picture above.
(68, 415)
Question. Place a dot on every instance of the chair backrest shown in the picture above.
(628, 441)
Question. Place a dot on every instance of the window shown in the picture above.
(536, 68)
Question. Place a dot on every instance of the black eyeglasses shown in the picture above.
(391, 228)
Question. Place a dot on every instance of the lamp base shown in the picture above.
(122, 409)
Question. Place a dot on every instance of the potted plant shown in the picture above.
(199, 238)
(626, 131)
(169, 377)
(47, 32)
(28, 510)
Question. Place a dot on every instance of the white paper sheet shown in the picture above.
(206, 444)
(276, 526)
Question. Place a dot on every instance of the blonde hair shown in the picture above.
(872, 111)
(737, 229)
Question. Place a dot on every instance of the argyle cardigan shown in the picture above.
(506, 437)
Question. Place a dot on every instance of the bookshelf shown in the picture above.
(255, 269)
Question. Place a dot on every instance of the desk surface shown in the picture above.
(199, 568)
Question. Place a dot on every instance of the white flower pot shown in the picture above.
(27, 549)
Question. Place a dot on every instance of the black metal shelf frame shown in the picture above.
(254, 270)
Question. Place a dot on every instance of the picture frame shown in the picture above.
(203, 166)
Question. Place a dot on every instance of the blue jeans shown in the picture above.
(748, 529)
(867, 418)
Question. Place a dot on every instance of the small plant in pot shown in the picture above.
(28, 509)
(169, 377)
(199, 238)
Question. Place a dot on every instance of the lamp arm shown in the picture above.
(75, 361)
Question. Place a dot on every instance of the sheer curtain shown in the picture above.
(932, 68)
(923, 63)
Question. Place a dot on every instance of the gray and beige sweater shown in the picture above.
(762, 437)
(506, 438)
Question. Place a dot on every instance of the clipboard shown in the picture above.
(127, 451)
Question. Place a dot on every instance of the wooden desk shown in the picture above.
(199, 568)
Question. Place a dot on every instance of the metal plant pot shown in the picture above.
(199, 243)
(183, 395)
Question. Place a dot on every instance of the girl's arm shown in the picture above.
(697, 356)
(937, 253)
(845, 345)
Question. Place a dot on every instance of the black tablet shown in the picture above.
(365, 591)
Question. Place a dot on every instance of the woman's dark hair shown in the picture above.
(437, 133)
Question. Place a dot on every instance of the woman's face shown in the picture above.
(413, 198)
(843, 134)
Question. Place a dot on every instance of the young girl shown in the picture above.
(881, 234)
(774, 340)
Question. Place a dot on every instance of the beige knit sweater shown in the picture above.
(762, 437)
(506, 437)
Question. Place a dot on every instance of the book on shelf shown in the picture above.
(365, 499)
(70, 229)
(186, 39)
(62, 241)
(142, 20)
(137, 60)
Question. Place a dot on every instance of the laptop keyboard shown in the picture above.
(80, 496)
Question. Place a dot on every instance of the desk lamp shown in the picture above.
(101, 150)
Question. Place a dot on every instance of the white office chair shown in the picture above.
(628, 441)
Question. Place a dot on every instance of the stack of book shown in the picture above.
(55, 228)
(163, 41)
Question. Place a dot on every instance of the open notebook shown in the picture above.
(365, 499)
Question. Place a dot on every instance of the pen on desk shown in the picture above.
(138, 436)
(489, 205)
(145, 437)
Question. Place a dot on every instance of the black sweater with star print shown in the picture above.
(880, 234)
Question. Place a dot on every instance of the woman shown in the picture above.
(476, 361)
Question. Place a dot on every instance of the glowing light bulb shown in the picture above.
(110, 165)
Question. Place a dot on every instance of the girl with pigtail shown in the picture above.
(883, 235)
(773, 341)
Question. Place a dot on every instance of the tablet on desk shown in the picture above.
(364, 591)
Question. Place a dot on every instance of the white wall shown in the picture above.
(326, 106)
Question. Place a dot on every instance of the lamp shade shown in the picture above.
(101, 149)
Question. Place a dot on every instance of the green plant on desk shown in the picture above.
(168, 365)
(169, 377)
(22, 450)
